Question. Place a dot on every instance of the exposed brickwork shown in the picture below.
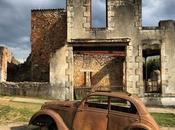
(106, 70)
(48, 34)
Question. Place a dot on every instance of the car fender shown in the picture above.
(139, 125)
(55, 116)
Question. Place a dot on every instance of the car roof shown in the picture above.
(124, 95)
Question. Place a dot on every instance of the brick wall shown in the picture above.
(49, 32)
(106, 70)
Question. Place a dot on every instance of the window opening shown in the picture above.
(152, 74)
(122, 105)
(99, 13)
(97, 102)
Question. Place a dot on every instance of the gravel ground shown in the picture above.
(161, 110)
(16, 126)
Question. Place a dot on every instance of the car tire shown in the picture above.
(50, 127)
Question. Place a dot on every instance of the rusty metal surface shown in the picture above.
(91, 119)
(56, 117)
(82, 116)
(61, 103)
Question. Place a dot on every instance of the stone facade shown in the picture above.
(67, 58)
(69, 53)
(61, 74)
(48, 35)
(164, 37)
(124, 21)
(5, 58)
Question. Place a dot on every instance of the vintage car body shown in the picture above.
(97, 111)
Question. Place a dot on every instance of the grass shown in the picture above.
(164, 119)
(11, 112)
(17, 112)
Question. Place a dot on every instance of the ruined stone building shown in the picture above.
(69, 52)
(5, 58)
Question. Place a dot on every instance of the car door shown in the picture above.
(122, 114)
(92, 114)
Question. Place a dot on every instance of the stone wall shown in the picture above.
(103, 70)
(158, 101)
(5, 58)
(49, 32)
(168, 57)
(123, 18)
(55, 34)
(163, 38)
(151, 33)
(61, 74)
(31, 89)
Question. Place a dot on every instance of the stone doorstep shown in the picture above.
(15, 126)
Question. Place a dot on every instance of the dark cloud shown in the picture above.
(15, 21)
(167, 9)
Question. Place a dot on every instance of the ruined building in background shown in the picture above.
(69, 52)
(5, 59)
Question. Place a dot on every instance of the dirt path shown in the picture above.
(161, 110)
(14, 126)
(17, 126)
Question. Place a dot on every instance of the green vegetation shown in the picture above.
(152, 64)
(11, 112)
(17, 112)
(164, 119)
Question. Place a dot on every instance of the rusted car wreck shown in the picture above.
(97, 111)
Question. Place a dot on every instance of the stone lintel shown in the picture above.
(117, 40)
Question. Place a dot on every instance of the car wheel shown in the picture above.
(53, 127)
(50, 127)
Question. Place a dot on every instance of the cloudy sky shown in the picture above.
(15, 19)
